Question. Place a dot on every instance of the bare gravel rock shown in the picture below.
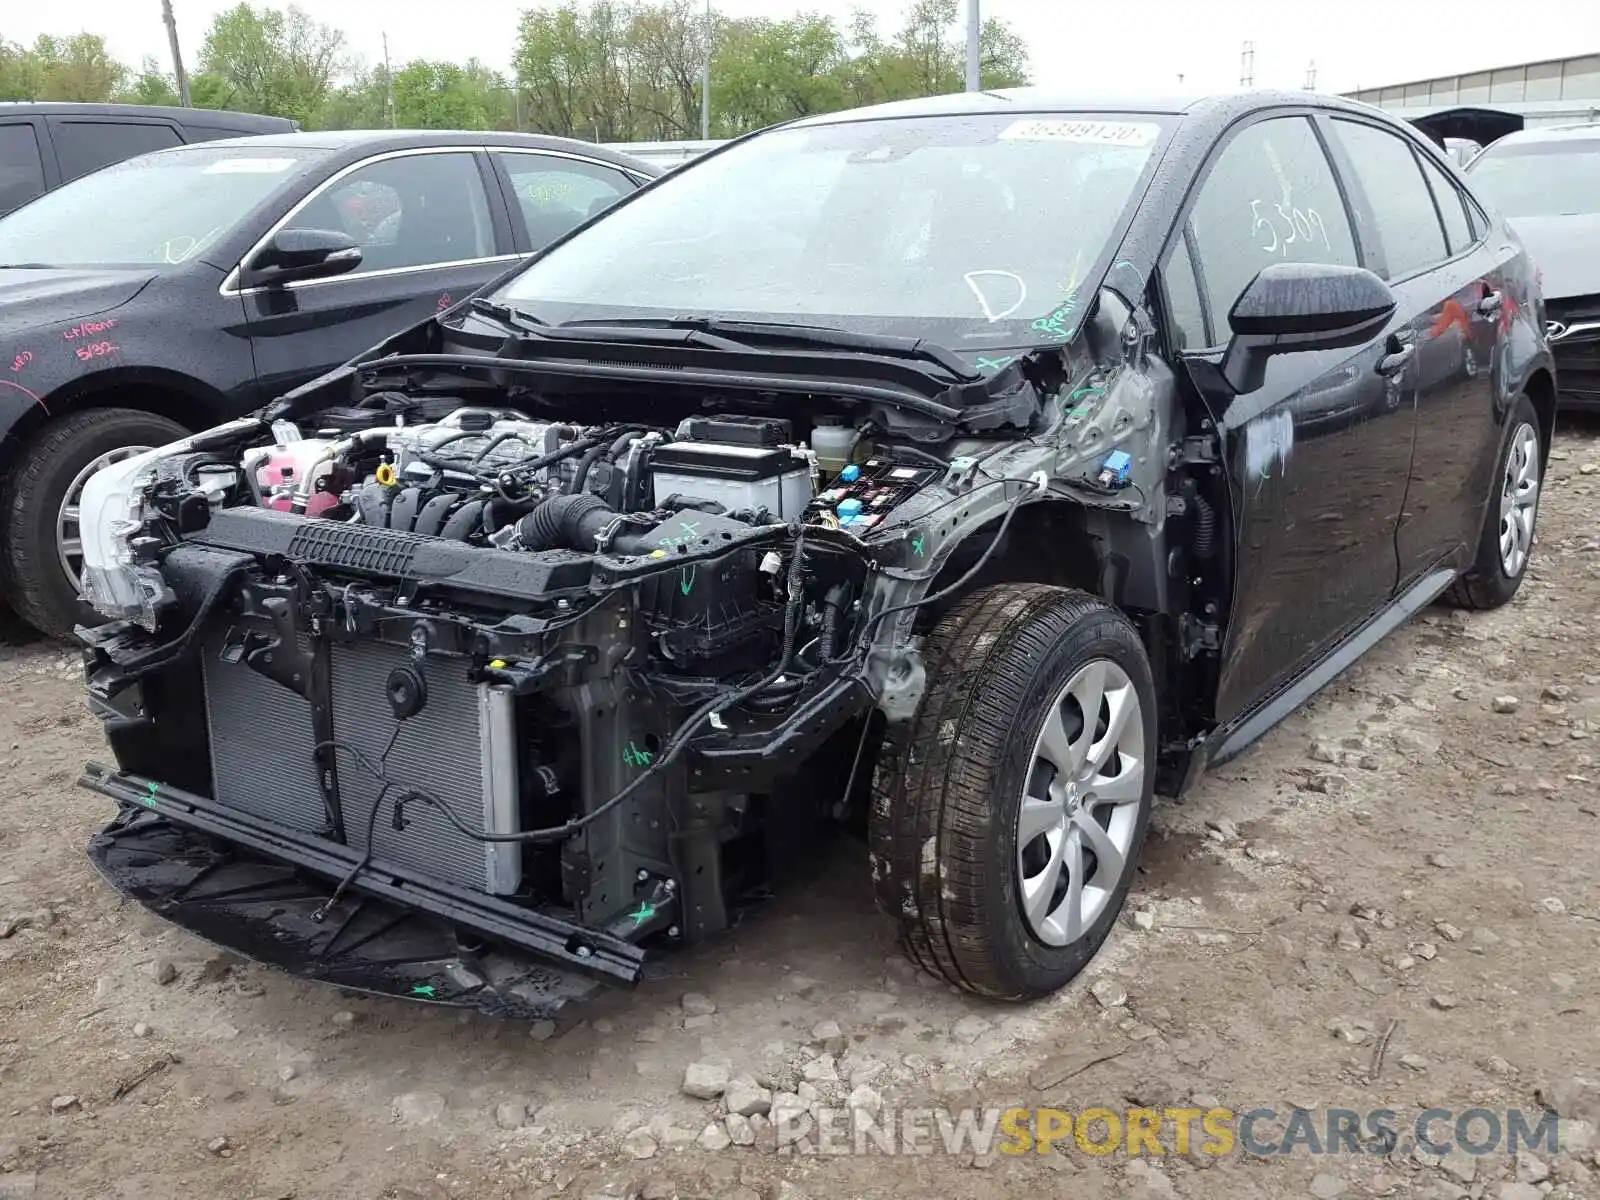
(419, 1108)
(705, 1080)
(1108, 993)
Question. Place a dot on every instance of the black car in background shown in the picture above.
(180, 288)
(43, 146)
(1546, 182)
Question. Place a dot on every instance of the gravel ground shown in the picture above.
(1407, 865)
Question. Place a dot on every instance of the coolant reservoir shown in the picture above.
(834, 445)
(287, 468)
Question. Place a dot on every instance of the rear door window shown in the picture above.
(555, 195)
(1452, 206)
(1401, 203)
(21, 166)
(84, 146)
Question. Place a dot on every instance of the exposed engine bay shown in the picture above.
(576, 687)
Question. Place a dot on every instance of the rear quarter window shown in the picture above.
(21, 167)
(85, 146)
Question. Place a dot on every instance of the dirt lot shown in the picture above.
(1438, 872)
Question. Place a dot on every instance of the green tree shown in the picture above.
(61, 68)
(277, 62)
(438, 95)
(150, 86)
(361, 102)
(768, 71)
(16, 79)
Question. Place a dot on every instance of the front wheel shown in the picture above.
(1506, 540)
(43, 553)
(1008, 815)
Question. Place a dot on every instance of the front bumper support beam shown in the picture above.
(563, 945)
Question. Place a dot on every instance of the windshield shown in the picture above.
(1551, 179)
(159, 209)
(962, 230)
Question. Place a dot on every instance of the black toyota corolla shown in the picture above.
(970, 469)
(175, 290)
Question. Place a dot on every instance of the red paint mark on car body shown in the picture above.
(444, 303)
(21, 361)
(89, 329)
(95, 350)
(26, 392)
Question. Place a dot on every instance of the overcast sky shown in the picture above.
(1087, 44)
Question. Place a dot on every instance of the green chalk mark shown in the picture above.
(646, 911)
(996, 364)
(423, 989)
(917, 545)
(634, 757)
(149, 798)
(686, 583)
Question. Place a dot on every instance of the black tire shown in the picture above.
(35, 583)
(943, 829)
(1486, 583)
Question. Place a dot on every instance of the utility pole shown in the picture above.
(1311, 76)
(705, 80)
(1247, 65)
(177, 56)
(974, 58)
(388, 79)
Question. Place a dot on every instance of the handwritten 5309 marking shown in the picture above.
(1300, 225)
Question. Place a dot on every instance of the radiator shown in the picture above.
(461, 748)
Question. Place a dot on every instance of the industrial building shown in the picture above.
(1557, 91)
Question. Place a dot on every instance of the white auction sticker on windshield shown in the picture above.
(249, 166)
(1098, 133)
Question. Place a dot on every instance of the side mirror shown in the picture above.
(1292, 307)
(294, 254)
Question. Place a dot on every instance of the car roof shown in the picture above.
(1583, 131)
(211, 118)
(1043, 100)
(357, 143)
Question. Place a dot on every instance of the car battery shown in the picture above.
(738, 477)
(861, 496)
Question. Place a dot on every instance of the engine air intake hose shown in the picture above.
(565, 522)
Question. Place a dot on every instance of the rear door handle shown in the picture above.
(1395, 361)
(1490, 304)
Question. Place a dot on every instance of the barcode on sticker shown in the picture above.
(249, 166)
(1098, 133)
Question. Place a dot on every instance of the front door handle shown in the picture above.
(1395, 361)
(1490, 304)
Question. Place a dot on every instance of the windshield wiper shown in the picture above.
(825, 336)
(511, 318)
(624, 331)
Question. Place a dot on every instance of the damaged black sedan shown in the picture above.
(969, 470)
